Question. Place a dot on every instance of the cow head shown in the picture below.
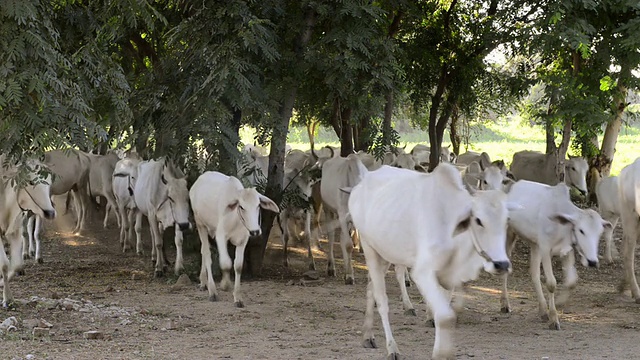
(576, 173)
(35, 196)
(247, 204)
(177, 196)
(586, 228)
(487, 224)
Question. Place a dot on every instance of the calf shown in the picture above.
(226, 211)
(445, 240)
(125, 175)
(552, 226)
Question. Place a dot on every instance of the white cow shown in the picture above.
(470, 156)
(125, 175)
(435, 228)
(539, 167)
(338, 173)
(100, 181)
(422, 152)
(161, 194)
(492, 177)
(34, 196)
(226, 211)
(552, 226)
(297, 174)
(630, 216)
(70, 170)
(607, 191)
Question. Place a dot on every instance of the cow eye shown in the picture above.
(573, 168)
(241, 208)
(581, 232)
(484, 182)
(170, 198)
(479, 222)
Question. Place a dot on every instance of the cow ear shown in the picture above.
(462, 226)
(563, 219)
(346, 190)
(164, 180)
(419, 168)
(268, 204)
(232, 206)
(607, 225)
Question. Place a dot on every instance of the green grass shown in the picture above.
(500, 140)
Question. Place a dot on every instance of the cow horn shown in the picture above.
(330, 149)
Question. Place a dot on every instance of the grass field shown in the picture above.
(500, 140)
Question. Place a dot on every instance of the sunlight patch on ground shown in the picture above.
(78, 242)
(496, 292)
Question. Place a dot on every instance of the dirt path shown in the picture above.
(86, 283)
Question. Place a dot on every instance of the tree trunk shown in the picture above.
(228, 157)
(549, 128)
(388, 115)
(453, 130)
(562, 149)
(256, 248)
(362, 134)
(612, 131)
(346, 136)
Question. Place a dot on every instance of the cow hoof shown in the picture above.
(331, 272)
(239, 304)
(370, 343)
(213, 298)
(410, 312)
(431, 323)
(637, 300)
(20, 272)
(39, 261)
(25, 256)
(505, 310)
(407, 283)
(554, 326)
(349, 281)
(393, 356)
(544, 317)
(158, 274)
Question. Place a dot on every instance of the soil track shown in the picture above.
(100, 288)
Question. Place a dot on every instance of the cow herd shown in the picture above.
(441, 228)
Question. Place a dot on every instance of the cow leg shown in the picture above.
(158, 244)
(179, 266)
(225, 259)
(570, 278)
(26, 241)
(124, 227)
(36, 237)
(505, 307)
(317, 214)
(630, 237)
(4, 271)
(138, 230)
(534, 270)
(111, 205)
(237, 267)
(406, 301)
(369, 340)
(331, 234)
(16, 264)
(78, 205)
(443, 315)
(547, 266)
(610, 250)
(283, 224)
(307, 234)
(377, 269)
(346, 245)
(206, 275)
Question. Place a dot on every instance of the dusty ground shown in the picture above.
(99, 288)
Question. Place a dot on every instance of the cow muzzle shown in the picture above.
(184, 226)
(502, 266)
(49, 214)
(592, 263)
(255, 232)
